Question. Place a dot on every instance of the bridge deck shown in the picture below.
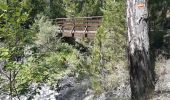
(79, 27)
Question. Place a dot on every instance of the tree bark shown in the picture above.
(141, 73)
(10, 86)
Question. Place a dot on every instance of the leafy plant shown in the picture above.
(16, 36)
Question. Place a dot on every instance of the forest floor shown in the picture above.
(162, 87)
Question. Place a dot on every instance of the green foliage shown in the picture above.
(13, 29)
(16, 37)
(50, 8)
(110, 40)
(96, 86)
(4, 54)
(159, 22)
(46, 31)
(83, 7)
(34, 53)
(52, 59)
(109, 45)
(55, 65)
(158, 10)
(55, 9)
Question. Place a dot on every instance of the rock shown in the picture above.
(4, 97)
(70, 90)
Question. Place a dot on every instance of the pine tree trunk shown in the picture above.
(141, 76)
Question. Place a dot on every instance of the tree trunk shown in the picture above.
(10, 86)
(141, 73)
(51, 9)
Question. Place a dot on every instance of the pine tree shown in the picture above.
(141, 72)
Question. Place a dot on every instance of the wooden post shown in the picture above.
(141, 73)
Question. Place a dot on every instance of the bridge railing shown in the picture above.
(79, 27)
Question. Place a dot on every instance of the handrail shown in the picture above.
(82, 17)
(79, 26)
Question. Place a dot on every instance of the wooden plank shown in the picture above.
(80, 28)
(86, 24)
(80, 25)
(88, 21)
(92, 28)
(80, 21)
(83, 26)
(92, 17)
(79, 35)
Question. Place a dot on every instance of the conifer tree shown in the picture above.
(141, 76)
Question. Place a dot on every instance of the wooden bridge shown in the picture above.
(79, 27)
